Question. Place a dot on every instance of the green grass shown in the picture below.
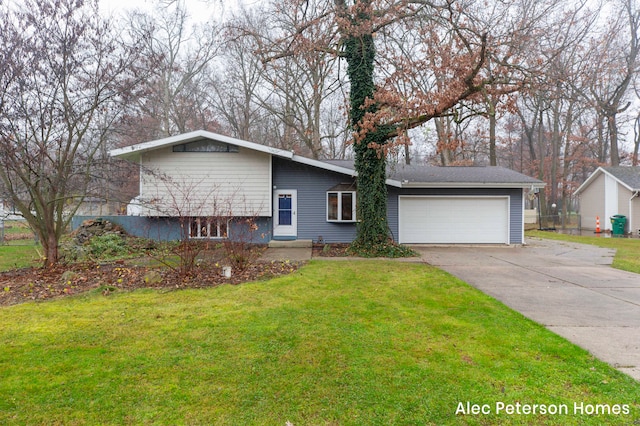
(13, 227)
(628, 249)
(14, 256)
(17, 253)
(348, 343)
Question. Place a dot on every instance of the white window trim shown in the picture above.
(353, 207)
(209, 222)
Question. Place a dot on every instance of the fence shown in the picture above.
(569, 221)
(15, 231)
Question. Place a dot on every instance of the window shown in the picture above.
(341, 206)
(205, 146)
(204, 227)
(285, 209)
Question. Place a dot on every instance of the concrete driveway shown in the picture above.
(569, 288)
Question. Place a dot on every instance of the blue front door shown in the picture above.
(285, 208)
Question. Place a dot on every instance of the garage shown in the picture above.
(453, 219)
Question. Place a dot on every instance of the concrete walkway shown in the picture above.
(281, 254)
(569, 288)
(288, 250)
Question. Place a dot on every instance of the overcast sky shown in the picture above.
(199, 10)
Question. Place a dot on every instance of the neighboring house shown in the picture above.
(92, 206)
(607, 192)
(208, 178)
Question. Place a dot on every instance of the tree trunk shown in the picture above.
(603, 150)
(613, 134)
(407, 153)
(446, 156)
(636, 142)
(555, 151)
(566, 167)
(370, 161)
(50, 246)
(493, 157)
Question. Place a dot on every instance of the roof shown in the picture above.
(627, 176)
(425, 176)
(630, 176)
(133, 151)
(401, 176)
(129, 152)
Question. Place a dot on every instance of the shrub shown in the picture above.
(107, 245)
(241, 251)
(386, 249)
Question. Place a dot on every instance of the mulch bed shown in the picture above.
(37, 284)
(29, 284)
(330, 250)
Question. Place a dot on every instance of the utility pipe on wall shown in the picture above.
(631, 213)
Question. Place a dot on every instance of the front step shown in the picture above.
(290, 243)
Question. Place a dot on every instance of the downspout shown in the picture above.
(631, 212)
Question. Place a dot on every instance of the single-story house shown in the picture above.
(92, 206)
(209, 178)
(610, 191)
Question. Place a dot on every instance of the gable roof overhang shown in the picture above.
(134, 151)
(406, 177)
(601, 170)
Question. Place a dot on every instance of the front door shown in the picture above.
(285, 213)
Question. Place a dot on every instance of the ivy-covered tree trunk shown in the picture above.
(370, 160)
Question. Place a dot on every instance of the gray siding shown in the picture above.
(168, 228)
(312, 185)
(623, 200)
(633, 223)
(592, 204)
(515, 205)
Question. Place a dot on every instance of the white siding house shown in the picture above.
(611, 191)
(202, 174)
(234, 183)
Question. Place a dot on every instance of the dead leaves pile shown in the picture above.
(29, 284)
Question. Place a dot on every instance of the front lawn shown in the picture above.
(14, 255)
(348, 343)
(628, 249)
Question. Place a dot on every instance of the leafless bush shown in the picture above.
(241, 249)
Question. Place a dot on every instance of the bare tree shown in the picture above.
(293, 93)
(63, 72)
(636, 140)
(613, 65)
(178, 58)
(233, 90)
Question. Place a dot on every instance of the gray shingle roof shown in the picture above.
(422, 175)
(629, 175)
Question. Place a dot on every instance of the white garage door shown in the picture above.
(453, 220)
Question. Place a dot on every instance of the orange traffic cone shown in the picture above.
(597, 224)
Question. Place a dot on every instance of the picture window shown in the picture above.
(341, 206)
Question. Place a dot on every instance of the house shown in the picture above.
(607, 192)
(97, 206)
(209, 178)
